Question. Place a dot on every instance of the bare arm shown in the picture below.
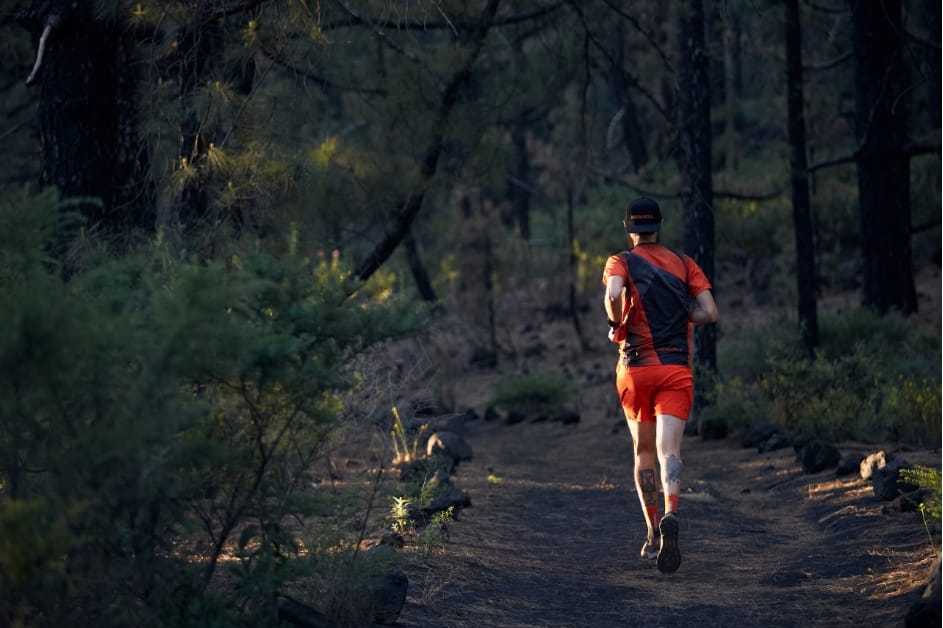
(614, 300)
(705, 310)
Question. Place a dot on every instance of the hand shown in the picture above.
(617, 334)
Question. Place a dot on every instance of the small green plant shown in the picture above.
(929, 479)
(400, 514)
(435, 535)
(405, 442)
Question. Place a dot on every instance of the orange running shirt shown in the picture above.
(661, 286)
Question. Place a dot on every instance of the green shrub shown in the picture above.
(911, 409)
(757, 230)
(930, 480)
(874, 379)
(534, 394)
(737, 403)
(161, 416)
(840, 332)
(831, 399)
(746, 355)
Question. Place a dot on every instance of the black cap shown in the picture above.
(643, 216)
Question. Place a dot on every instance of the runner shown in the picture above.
(652, 294)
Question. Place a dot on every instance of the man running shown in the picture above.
(652, 294)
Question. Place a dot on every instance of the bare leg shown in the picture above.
(646, 483)
(668, 437)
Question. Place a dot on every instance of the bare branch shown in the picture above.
(923, 41)
(747, 196)
(641, 188)
(634, 82)
(648, 36)
(51, 22)
(232, 8)
(836, 161)
(448, 24)
(13, 129)
(631, 79)
(393, 44)
(828, 65)
(824, 9)
(913, 148)
(926, 226)
(245, 103)
(926, 145)
(403, 215)
(280, 59)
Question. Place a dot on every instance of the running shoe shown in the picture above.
(650, 549)
(669, 555)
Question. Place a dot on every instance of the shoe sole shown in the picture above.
(669, 555)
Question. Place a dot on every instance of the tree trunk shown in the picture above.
(694, 133)
(520, 187)
(571, 237)
(86, 111)
(715, 34)
(475, 265)
(632, 134)
(882, 164)
(135, 192)
(423, 285)
(801, 206)
(733, 72)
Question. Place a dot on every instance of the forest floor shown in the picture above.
(553, 534)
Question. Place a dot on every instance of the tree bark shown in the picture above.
(632, 133)
(475, 262)
(423, 285)
(520, 188)
(733, 71)
(801, 207)
(882, 163)
(715, 35)
(134, 198)
(89, 149)
(571, 236)
(694, 133)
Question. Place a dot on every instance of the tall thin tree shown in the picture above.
(801, 205)
(695, 138)
(882, 161)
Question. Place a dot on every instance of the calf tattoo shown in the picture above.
(674, 468)
(646, 480)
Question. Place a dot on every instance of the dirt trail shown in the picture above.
(553, 535)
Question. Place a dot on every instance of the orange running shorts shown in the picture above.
(647, 391)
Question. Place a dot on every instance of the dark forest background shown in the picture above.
(211, 211)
